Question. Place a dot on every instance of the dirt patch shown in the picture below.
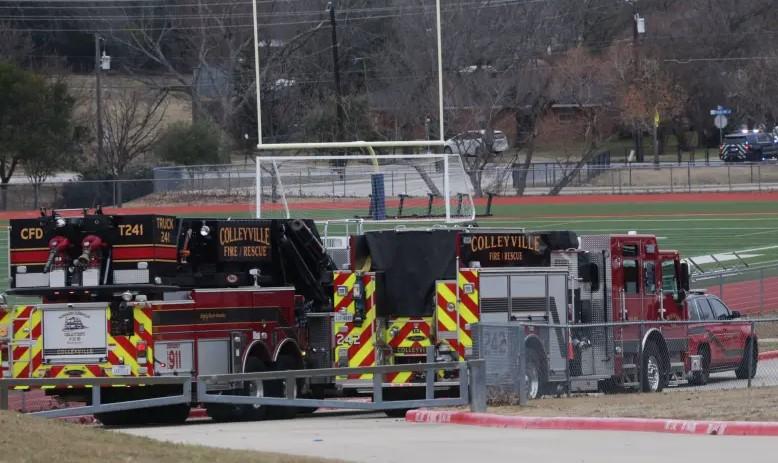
(757, 404)
(21, 438)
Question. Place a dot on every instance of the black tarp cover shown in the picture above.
(412, 261)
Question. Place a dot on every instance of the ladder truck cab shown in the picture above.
(147, 295)
(406, 291)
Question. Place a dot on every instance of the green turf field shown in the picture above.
(695, 228)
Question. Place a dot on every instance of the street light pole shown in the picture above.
(336, 66)
(99, 97)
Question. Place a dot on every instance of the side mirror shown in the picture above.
(684, 277)
(735, 314)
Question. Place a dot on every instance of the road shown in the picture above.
(766, 375)
(372, 438)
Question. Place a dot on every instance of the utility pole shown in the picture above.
(336, 66)
(636, 72)
(99, 97)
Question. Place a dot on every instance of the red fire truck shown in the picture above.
(146, 295)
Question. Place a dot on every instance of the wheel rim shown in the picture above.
(652, 373)
(532, 379)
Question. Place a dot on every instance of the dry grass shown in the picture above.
(29, 439)
(758, 404)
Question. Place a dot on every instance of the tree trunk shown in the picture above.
(521, 177)
(426, 178)
(570, 175)
(4, 195)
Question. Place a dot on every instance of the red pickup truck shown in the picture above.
(723, 344)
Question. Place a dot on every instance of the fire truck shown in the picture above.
(150, 295)
(145, 295)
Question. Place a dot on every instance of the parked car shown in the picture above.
(473, 142)
(748, 147)
(724, 345)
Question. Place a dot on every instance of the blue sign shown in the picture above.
(720, 111)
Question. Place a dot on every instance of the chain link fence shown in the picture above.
(235, 183)
(674, 356)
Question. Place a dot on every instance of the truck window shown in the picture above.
(694, 314)
(669, 282)
(706, 313)
(720, 311)
(631, 281)
(649, 278)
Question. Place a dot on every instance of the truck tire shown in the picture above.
(277, 388)
(535, 374)
(652, 377)
(168, 414)
(124, 417)
(742, 369)
(232, 412)
(700, 378)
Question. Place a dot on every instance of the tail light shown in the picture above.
(747, 146)
(140, 347)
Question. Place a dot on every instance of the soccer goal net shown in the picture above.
(389, 188)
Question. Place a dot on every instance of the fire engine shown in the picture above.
(146, 295)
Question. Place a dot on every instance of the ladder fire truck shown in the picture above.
(149, 295)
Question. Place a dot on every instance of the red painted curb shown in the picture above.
(769, 355)
(729, 428)
(197, 413)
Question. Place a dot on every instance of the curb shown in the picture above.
(769, 355)
(728, 428)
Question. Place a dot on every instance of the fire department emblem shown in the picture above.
(73, 324)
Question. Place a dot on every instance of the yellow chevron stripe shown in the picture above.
(402, 377)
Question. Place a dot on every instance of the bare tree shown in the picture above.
(132, 123)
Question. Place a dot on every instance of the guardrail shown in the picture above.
(470, 382)
(97, 406)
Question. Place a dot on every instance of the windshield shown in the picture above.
(735, 139)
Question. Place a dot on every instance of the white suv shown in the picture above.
(472, 142)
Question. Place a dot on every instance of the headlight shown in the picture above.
(205, 230)
(126, 296)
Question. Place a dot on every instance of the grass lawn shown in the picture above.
(30, 439)
(757, 404)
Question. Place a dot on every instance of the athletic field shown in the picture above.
(696, 224)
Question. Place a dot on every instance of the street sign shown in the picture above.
(720, 121)
(720, 111)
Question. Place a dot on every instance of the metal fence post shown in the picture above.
(477, 385)
(721, 286)
(3, 397)
(378, 387)
(761, 291)
(430, 374)
(522, 373)
(750, 353)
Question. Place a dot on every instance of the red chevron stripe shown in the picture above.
(345, 302)
(469, 303)
(36, 330)
(19, 352)
(37, 360)
(95, 370)
(364, 337)
(55, 371)
(404, 332)
(470, 277)
(126, 345)
(341, 278)
(145, 335)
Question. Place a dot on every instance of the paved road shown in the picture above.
(766, 375)
(371, 438)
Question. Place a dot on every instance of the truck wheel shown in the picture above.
(742, 370)
(168, 414)
(233, 412)
(700, 378)
(535, 375)
(277, 388)
(652, 377)
(123, 417)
